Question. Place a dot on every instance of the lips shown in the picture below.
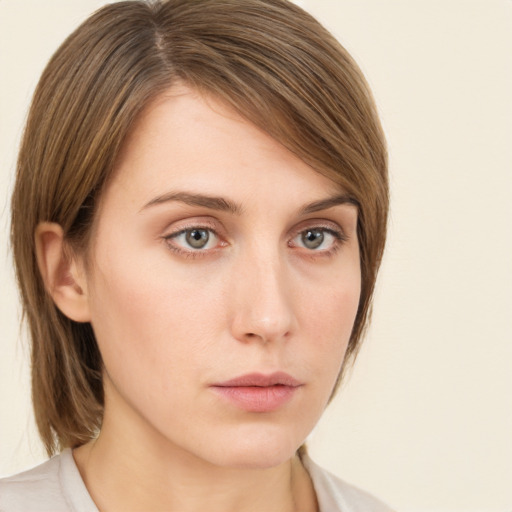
(256, 392)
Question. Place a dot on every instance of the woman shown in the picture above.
(197, 223)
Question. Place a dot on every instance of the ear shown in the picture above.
(62, 272)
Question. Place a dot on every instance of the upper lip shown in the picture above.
(261, 380)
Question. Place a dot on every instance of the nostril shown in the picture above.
(252, 336)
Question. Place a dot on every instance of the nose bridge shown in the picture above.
(263, 305)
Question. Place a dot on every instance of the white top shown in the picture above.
(56, 486)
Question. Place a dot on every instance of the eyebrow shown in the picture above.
(210, 202)
(222, 204)
(325, 204)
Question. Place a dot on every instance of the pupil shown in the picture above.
(197, 238)
(313, 239)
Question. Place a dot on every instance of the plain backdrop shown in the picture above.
(425, 421)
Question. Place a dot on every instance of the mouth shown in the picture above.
(256, 392)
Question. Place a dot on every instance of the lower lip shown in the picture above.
(257, 399)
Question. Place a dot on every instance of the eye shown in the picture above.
(318, 239)
(313, 238)
(193, 239)
(197, 238)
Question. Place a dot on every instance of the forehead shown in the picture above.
(186, 140)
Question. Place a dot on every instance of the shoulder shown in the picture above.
(54, 486)
(335, 495)
(35, 489)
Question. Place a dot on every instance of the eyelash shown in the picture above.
(339, 239)
(192, 253)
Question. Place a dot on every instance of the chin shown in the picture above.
(262, 450)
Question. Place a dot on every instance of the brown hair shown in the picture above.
(268, 59)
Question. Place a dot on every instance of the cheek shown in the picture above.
(132, 307)
(330, 308)
(326, 320)
(151, 320)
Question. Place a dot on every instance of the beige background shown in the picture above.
(426, 420)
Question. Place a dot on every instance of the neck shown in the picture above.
(129, 476)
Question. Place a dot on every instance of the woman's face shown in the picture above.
(223, 287)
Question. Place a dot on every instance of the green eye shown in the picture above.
(193, 240)
(318, 239)
(197, 238)
(313, 238)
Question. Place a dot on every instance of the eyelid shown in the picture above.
(337, 235)
(330, 227)
(324, 224)
(179, 228)
(200, 222)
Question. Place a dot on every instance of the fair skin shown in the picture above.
(216, 254)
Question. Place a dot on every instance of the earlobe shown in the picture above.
(62, 272)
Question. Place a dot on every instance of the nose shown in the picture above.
(262, 300)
